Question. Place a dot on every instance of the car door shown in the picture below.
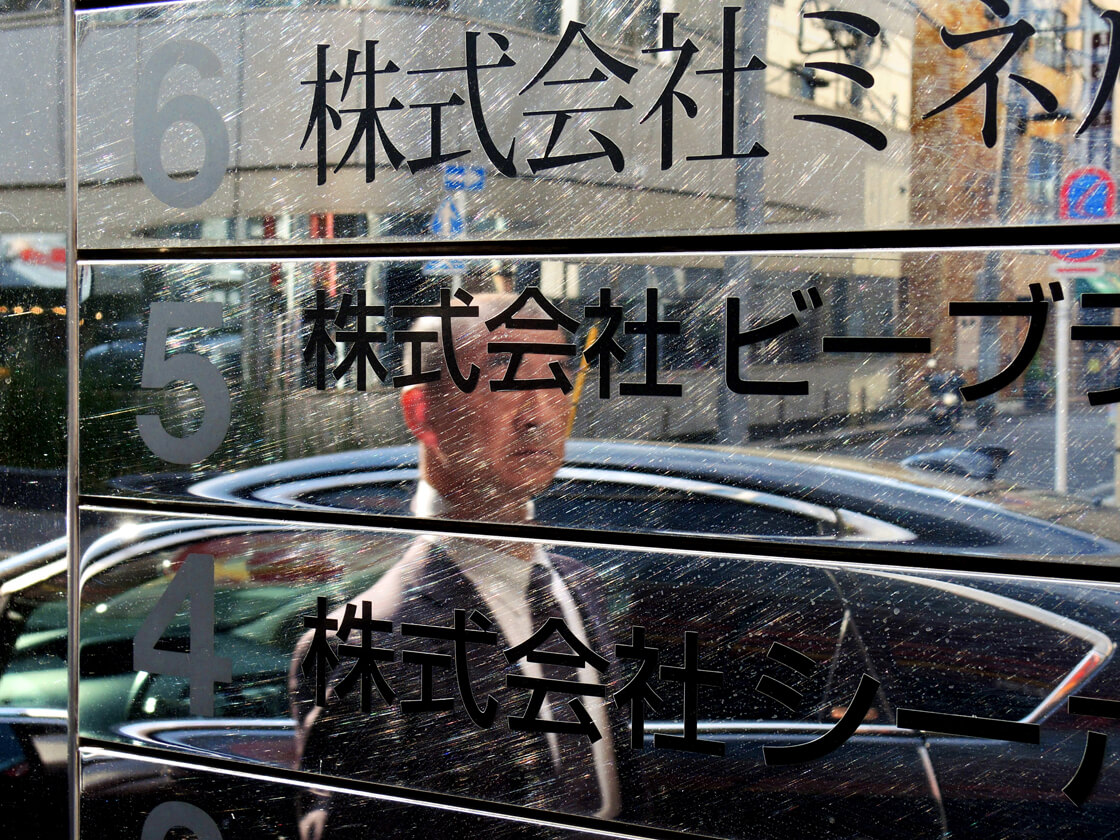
(876, 784)
(999, 652)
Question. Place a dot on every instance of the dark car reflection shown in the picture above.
(115, 364)
(629, 487)
(1013, 651)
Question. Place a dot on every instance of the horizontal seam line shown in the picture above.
(1043, 237)
(419, 797)
(676, 543)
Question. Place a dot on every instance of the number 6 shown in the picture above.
(151, 122)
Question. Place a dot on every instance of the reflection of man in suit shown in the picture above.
(483, 455)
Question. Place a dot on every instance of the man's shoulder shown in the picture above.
(395, 593)
(585, 585)
(400, 579)
(575, 572)
(563, 563)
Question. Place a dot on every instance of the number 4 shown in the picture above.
(194, 582)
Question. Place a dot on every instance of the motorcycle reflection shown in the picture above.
(946, 407)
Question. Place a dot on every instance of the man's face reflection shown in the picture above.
(490, 452)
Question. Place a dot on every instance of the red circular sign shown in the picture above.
(1077, 254)
(1087, 193)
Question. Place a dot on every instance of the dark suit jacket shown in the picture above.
(442, 751)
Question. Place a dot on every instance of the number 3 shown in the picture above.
(169, 815)
(161, 370)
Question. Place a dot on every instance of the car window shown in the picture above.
(387, 498)
(739, 609)
(33, 646)
(619, 506)
(949, 648)
(13, 761)
(623, 507)
(265, 581)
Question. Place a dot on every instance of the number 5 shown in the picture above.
(161, 370)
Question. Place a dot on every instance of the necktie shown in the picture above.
(574, 783)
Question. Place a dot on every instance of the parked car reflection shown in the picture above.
(1013, 650)
(708, 490)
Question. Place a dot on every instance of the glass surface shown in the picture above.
(296, 384)
(32, 278)
(124, 794)
(856, 401)
(272, 619)
(33, 732)
(206, 123)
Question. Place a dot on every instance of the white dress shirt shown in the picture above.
(502, 579)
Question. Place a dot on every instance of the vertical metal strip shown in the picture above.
(73, 302)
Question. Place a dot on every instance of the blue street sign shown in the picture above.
(469, 178)
(443, 267)
(1087, 193)
(447, 221)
